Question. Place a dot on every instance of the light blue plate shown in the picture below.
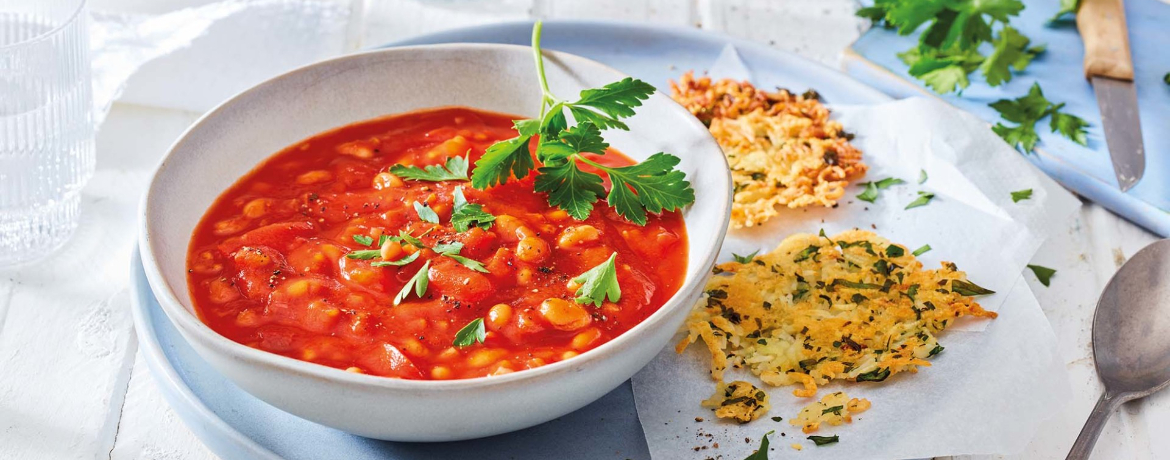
(235, 425)
(1060, 71)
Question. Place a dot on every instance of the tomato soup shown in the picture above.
(294, 258)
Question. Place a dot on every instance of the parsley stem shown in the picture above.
(547, 98)
(596, 165)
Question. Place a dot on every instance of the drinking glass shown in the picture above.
(46, 124)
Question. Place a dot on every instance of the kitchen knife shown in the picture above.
(1109, 67)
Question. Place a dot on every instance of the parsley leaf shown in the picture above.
(1011, 52)
(570, 188)
(426, 213)
(921, 176)
(417, 283)
(615, 100)
(455, 169)
(470, 334)
(658, 185)
(363, 240)
(968, 288)
(383, 239)
(465, 215)
(822, 440)
(876, 375)
(584, 137)
(871, 188)
(835, 410)
(1021, 195)
(504, 159)
(745, 259)
(1044, 274)
(922, 250)
(894, 250)
(1069, 126)
(599, 283)
(452, 250)
(1028, 110)
(762, 452)
(397, 263)
(365, 254)
(922, 200)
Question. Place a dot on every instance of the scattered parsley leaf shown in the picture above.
(871, 188)
(363, 240)
(1166, 78)
(777, 419)
(894, 250)
(921, 176)
(922, 250)
(502, 160)
(936, 350)
(470, 334)
(383, 239)
(762, 452)
(426, 213)
(397, 263)
(469, 263)
(465, 215)
(1044, 274)
(835, 410)
(968, 288)
(922, 200)
(365, 254)
(417, 283)
(1021, 195)
(599, 283)
(745, 259)
(822, 440)
(455, 169)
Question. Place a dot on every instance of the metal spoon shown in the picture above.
(1131, 338)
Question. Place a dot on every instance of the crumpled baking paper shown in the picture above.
(996, 382)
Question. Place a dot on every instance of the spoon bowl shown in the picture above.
(1131, 337)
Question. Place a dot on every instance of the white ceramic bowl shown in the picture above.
(234, 137)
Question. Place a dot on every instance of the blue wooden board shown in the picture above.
(235, 425)
(1085, 170)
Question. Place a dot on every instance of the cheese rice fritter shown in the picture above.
(853, 307)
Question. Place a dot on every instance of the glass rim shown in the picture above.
(71, 19)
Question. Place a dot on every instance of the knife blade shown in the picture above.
(1123, 129)
(1109, 67)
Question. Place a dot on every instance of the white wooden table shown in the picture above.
(73, 386)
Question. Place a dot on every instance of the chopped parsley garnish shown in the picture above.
(922, 200)
(835, 410)
(455, 169)
(396, 263)
(894, 250)
(822, 440)
(762, 452)
(426, 213)
(653, 185)
(365, 254)
(921, 176)
(968, 288)
(452, 250)
(871, 188)
(1044, 274)
(854, 284)
(922, 250)
(363, 240)
(1029, 109)
(465, 215)
(876, 375)
(936, 350)
(417, 283)
(777, 419)
(599, 283)
(1021, 195)
(471, 333)
(745, 259)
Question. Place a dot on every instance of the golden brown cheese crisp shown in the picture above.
(854, 307)
(738, 400)
(782, 148)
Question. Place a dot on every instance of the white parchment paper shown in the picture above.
(997, 380)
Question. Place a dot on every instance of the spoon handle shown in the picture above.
(1105, 407)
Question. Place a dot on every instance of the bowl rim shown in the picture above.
(187, 322)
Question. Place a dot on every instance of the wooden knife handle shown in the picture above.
(1102, 27)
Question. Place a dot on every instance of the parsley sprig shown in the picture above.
(1029, 109)
(598, 283)
(651, 186)
(454, 169)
